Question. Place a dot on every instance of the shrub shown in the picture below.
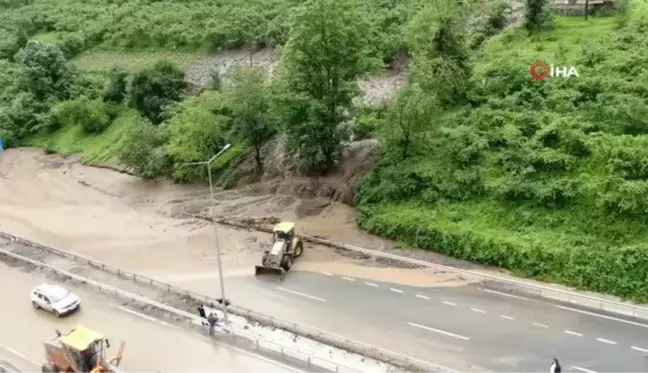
(91, 115)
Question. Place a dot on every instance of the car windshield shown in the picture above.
(57, 293)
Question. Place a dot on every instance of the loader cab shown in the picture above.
(80, 350)
(284, 231)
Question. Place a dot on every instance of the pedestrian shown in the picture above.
(201, 311)
(212, 319)
(555, 367)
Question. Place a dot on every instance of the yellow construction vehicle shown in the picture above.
(286, 247)
(80, 350)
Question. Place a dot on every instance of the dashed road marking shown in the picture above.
(439, 331)
(449, 303)
(504, 294)
(478, 310)
(9, 349)
(147, 317)
(507, 317)
(602, 316)
(540, 325)
(606, 341)
(327, 273)
(396, 290)
(371, 284)
(583, 369)
(639, 349)
(348, 279)
(422, 297)
(573, 333)
(302, 294)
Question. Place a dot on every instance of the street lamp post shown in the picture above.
(213, 215)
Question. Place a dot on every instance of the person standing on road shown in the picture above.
(212, 319)
(555, 367)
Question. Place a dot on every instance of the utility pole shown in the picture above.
(215, 226)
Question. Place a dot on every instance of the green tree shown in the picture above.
(249, 98)
(194, 134)
(45, 71)
(438, 43)
(411, 113)
(141, 149)
(538, 15)
(325, 55)
(115, 90)
(153, 90)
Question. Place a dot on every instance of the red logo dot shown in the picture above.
(539, 70)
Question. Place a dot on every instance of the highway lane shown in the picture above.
(488, 330)
(151, 344)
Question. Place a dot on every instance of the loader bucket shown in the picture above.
(261, 270)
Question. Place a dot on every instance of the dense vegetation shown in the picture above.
(546, 178)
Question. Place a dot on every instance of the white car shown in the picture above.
(54, 298)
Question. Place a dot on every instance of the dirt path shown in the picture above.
(143, 226)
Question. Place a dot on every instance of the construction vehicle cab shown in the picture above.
(80, 350)
(286, 247)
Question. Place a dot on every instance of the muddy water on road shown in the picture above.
(115, 218)
(150, 346)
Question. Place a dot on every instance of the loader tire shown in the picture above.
(49, 368)
(287, 263)
(299, 250)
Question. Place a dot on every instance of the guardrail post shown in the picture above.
(309, 362)
(282, 353)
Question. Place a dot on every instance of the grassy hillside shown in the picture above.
(546, 178)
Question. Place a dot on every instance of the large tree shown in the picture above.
(325, 55)
(154, 89)
(249, 101)
(45, 72)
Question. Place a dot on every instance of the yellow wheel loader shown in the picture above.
(80, 350)
(286, 247)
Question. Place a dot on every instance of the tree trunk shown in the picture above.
(257, 158)
(586, 8)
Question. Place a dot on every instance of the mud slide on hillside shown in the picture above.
(138, 225)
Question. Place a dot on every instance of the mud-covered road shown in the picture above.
(151, 343)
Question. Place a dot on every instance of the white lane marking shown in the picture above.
(348, 279)
(540, 325)
(371, 284)
(639, 349)
(583, 369)
(327, 273)
(422, 297)
(602, 316)
(301, 294)
(573, 333)
(21, 356)
(396, 290)
(606, 341)
(504, 294)
(450, 303)
(478, 310)
(147, 317)
(507, 317)
(439, 331)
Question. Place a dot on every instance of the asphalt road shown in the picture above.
(151, 344)
(466, 328)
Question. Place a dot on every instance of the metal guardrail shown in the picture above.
(259, 343)
(545, 292)
(401, 361)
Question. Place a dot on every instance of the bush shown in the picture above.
(153, 90)
(91, 115)
(141, 149)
